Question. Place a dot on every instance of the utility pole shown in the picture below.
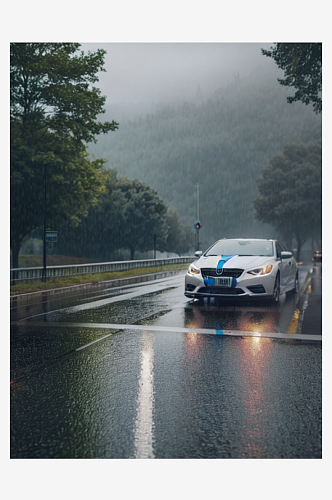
(197, 217)
(45, 223)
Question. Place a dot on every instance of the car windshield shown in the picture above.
(241, 247)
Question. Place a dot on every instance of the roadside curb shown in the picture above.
(303, 284)
(310, 306)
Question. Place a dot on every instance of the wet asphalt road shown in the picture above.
(142, 372)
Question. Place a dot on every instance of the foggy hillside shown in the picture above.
(220, 141)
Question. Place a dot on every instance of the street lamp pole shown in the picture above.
(197, 215)
(45, 223)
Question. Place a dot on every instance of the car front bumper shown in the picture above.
(246, 286)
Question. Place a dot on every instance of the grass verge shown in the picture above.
(21, 288)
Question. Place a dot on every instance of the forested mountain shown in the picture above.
(221, 143)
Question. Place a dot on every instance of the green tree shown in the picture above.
(127, 216)
(180, 238)
(290, 193)
(302, 65)
(54, 115)
(144, 217)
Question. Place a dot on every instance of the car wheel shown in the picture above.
(276, 289)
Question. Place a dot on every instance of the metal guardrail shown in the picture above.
(36, 273)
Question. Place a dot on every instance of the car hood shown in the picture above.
(233, 261)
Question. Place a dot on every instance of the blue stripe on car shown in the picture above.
(223, 260)
(208, 281)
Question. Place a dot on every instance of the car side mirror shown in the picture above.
(286, 255)
(198, 253)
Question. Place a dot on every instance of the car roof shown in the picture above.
(246, 239)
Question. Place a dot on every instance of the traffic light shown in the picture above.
(197, 225)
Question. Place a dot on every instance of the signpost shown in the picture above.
(45, 222)
(51, 236)
(197, 224)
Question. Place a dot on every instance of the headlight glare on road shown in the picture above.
(258, 271)
(193, 269)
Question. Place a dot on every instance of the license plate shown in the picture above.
(223, 281)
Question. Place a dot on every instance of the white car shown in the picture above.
(242, 268)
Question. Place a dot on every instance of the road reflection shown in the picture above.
(253, 388)
(193, 341)
(247, 317)
(145, 401)
(249, 385)
(255, 355)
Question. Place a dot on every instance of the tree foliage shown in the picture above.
(290, 193)
(143, 216)
(302, 65)
(129, 216)
(54, 115)
(179, 236)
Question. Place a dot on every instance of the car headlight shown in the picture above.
(258, 271)
(193, 269)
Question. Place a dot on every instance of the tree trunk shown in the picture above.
(15, 247)
(132, 253)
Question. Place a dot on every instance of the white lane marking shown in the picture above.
(174, 329)
(93, 342)
(153, 287)
(118, 298)
(114, 291)
(144, 424)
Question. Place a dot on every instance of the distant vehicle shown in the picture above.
(242, 268)
(317, 257)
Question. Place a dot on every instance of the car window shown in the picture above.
(241, 247)
(279, 248)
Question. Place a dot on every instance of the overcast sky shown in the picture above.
(140, 72)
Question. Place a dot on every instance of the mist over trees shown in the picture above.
(290, 193)
(221, 142)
